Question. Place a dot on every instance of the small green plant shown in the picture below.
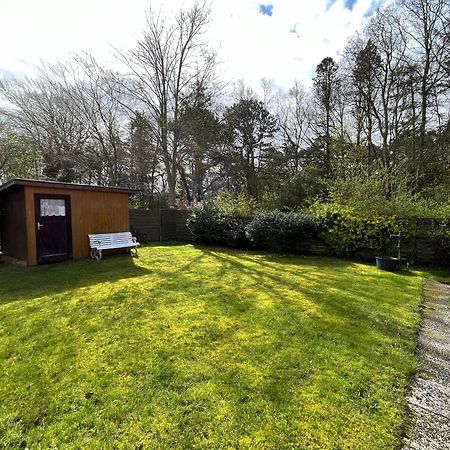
(280, 230)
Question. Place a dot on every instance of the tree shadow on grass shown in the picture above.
(323, 281)
(19, 283)
(320, 281)
(342, 299)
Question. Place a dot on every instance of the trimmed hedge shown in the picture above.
(273, 230)
(208, 225)
(280, 230)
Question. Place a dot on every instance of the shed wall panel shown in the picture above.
(92, 212)
(13, 233)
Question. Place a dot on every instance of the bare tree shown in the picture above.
(39, 109)
(291, 111)
(71, 112)
(168, 58)
(96, 99)
(388, 48)
(425, 25)
(16, 155)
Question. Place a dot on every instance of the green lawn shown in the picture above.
(192, 347)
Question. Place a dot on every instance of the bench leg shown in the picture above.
(96, 254)
(134, 251)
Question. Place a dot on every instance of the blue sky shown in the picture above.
(266, 9)
(349, 4)
(281, 40)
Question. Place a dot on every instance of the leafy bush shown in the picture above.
(280, 230)
(207, 224)
(238, 205)
(346, 230)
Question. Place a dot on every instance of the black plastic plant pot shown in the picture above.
(388, 263)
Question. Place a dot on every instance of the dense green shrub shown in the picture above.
(235, 232)
(347, 231)
(207, 224)
(280, 230)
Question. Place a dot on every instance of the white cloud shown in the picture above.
(255, 45)
(251, 45)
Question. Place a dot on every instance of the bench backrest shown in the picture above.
(110, 239)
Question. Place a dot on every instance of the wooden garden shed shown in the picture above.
(46, 221)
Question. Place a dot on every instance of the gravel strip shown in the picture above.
(429, 397)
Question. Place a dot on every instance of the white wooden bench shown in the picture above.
(107, 241)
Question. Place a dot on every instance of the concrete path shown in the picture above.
(429, 398)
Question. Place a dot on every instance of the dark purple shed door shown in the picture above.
(53, 228)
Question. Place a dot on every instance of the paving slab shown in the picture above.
(429, 396)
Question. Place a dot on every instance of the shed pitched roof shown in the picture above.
(62, 185)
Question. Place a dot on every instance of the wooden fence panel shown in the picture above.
(150, 225)
(145, 224)
(168, 224)
(183, 233)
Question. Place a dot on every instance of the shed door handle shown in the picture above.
(39, 226)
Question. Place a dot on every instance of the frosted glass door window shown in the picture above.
(53, 207)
